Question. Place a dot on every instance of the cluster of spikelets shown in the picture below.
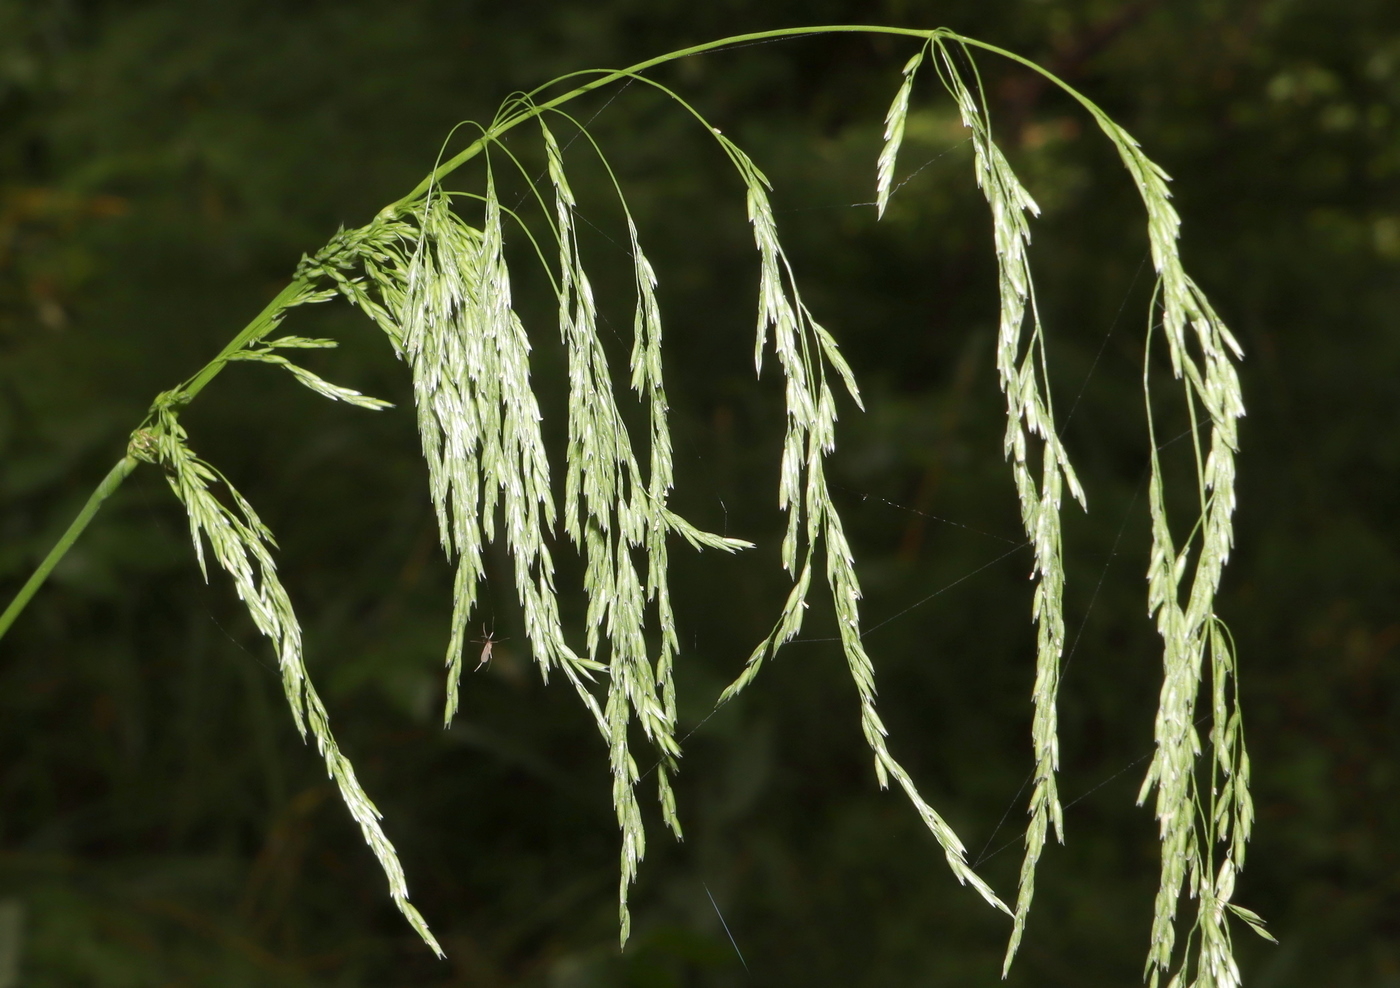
(440, 290)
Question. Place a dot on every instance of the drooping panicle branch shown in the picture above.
(242, 546)
(1023, 372)
(805, 352)
(1189, 631)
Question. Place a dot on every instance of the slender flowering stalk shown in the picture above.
(431, 272)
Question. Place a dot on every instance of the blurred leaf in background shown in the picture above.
(162, 167)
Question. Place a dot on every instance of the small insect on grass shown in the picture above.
(488, 644)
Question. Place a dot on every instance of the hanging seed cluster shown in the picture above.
(440, 289)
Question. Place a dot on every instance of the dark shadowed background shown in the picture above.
(163, 165)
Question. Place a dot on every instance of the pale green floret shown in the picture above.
(894, 134)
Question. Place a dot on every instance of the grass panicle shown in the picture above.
(1024, 374)
(1191, 821)
(609, 512)
(805, 352)
(440, 290)
(1192, 818)
(242, 546)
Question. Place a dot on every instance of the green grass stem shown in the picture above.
(109, 484)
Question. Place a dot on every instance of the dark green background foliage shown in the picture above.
(163, 165)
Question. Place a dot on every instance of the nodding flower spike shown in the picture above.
(440, 289)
